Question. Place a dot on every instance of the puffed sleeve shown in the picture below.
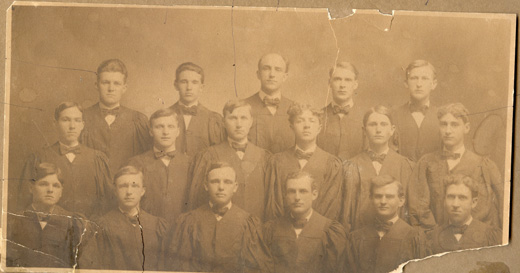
(216, 130)
(419, 197)
(406, 172)
(20, 196)
(331, 197)
(351, 254)
(493, 178)
(255, 253)
(351, 193)
(105, 193)
(274, 206)
(197, 175)
(143, 140)
(335, 248)
(180, 244)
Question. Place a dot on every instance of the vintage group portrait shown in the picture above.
(219, 139)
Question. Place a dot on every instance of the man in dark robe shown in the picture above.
(416, 121)
(218, 236)
(270, 129)
(426, 191)
(379, 159)
(85, 171)
(382, 246)
(341, 134)
(199, 127)
(127, 229)
(462, 231)
(248, 160)
(165, 170)
(304, 240)
(115, 130)
(306, 156)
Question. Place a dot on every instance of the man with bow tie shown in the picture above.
(389, 241)
(218, 236)
(85, 171)
(341, 134)
(165, 170)
(248, 161)
(326, 169)
(199, 127)
(111, 128)
(415, 121)
(462, 231)
(378, 159)
(270, 129)
(303, 240)
(426, 187)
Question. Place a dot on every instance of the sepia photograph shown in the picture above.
(240, 139)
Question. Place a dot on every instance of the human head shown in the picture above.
(343, 82)
(68, 120)
(306, 121)
(237, 119)
(221, 183)
(189, 82)
(164, 128)
(378, 125)
(453, 125)
(129, 187)
(272, 72)
(46, 186)
(300, 191)
(387, 196)
(461, 196)
(111, 82)
(421, 79)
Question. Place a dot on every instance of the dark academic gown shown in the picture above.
(342, 137)
(166, 186)
(121, 242)
(426, 189)
(271, 132)
(127, 136)
(477, 235)
(320, 247)
(369, 254)
(205, 129)
(326, 170)
(87, 183)
(395, 165)
(250, 176)
(234, 244)
(28, 245)
(414, 142)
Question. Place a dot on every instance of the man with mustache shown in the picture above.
(462, 231)
(248, 160)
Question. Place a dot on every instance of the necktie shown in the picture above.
(299, 223)
(450, 155)
(192, 110)
(161, 154)
(303, 155)
(43, 217)
(65, 150)
(375, 157)
(336, 109)
(113, 111)
(239, 147)
(271, 101)
(219, 211)
(383, 225)
(458, 229)
(418, 108)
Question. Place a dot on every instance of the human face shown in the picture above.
(221, 186)
(299, 195)
(459, 203)
(306, 127)
(386, 201)
(164, 131)
(189, 84)
(238, 123)
(421, 81)
(111, 87)
(46, 191)
(379, 129)
(343, 83)
(452, 131)
(129, 190)
(69, 126)
(272, 73)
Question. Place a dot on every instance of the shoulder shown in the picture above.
(89, 151)
(134, 113)
(91, 109)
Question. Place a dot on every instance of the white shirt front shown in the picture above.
(187, 118)
(419, 116)
(276, 95)
(454, 162)
(70, 156)
(376, 164)
(383, 233)
(240, 154)
(458, 236)
(109, 118)
(303, 162)
(298, 231)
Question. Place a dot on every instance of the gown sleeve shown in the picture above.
(331, 198)
(179, 249)
(216, 130)
(105, 190)
(351, 193)
(336, 247)
(21, 196)
(143, 140)
(255, 253)
(493, 178)
(197, 175)
(419, 197)
(274, 195)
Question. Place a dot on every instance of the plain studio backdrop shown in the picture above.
(56, 51)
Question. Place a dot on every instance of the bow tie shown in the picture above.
(375, 157)
(383, 225)
(239, 147)
(336, 109)
(458, 229)
(192, 110)
(113, 111)
(418, 108)
(303, 155)
(299, 223)
(42, 216)
(162, 154)
(450, 155)
(271, 101)
(65, 150)
(219, 211)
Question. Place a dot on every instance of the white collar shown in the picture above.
(103, 106)
(245, 141)
(193, 104)
(126, 213)
(468, 222)
(67, 146)
(308, 217)
(228, 205)
(383, 153)
(312, 149)
(460, 150)
(170, 149)
(350, 103)
(426, 104)
(276, 95)
(34, 209)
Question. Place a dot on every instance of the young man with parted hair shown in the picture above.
(199, 127)
(270, 129)
(218, 236)
(303, 240)
(416, 121)
(110, 127)
(165, 169)
(341, 134)
(426, 191)
(388, 241)
(462, 231)
(248, 160)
